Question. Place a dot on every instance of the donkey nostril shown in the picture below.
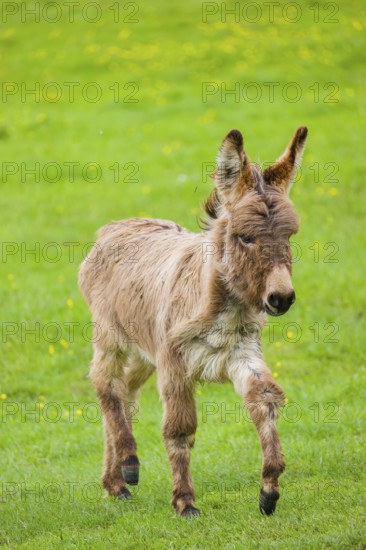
(281, 302)
(274, 300)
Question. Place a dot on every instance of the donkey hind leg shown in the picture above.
(113, 481)
(263, 399)
(121, 464)
(179, 428)
(136, 374)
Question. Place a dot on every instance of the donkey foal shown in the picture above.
(190, 305)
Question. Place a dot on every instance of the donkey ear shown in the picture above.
(282, 173)
(232, 175)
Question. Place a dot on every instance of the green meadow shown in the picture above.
(113, 110)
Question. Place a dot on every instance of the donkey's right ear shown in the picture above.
(233, 174)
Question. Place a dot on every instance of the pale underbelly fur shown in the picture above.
(225, 351)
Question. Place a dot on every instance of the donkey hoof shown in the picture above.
(267, 502)
(124, 494)
(190, 512)
(130, 470)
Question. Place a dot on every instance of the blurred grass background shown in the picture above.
(162, 143)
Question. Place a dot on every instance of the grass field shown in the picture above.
(134, 131)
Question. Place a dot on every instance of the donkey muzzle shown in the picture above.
(278, 304)
(279, 294)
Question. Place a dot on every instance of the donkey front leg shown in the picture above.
(179, 428)
(263, 398)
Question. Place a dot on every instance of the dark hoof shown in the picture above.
(190, 512)
(124, 494)
(130, 470)
(267, 502)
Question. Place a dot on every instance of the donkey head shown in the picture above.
(253, 219)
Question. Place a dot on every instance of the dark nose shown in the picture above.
(281, 302)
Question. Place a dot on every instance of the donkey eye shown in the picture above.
(246, 240)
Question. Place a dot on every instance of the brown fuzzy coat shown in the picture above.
(192, 306)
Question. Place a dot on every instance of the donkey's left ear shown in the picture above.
(283, 172)
(233, 173)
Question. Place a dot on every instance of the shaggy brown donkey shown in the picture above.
(187, 305)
